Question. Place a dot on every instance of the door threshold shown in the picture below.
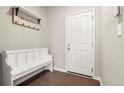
(81, 75)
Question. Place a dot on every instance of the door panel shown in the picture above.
(73, 58)
(74, 25)
(84, 29)
(84, 59)
(79, 43)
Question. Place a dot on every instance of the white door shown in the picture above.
(79, 43)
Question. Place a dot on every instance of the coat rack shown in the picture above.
(26, 18)
(118, 17)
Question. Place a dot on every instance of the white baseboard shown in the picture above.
(98, 78)
(60, 69)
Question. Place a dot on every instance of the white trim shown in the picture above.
(94, 29)
(99, 79)
(60, 69)
(77, 12)
(66, 44)
(76, 74)
(64, 70)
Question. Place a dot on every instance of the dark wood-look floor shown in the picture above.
(57, 78)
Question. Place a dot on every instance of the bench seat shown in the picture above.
(24, 62)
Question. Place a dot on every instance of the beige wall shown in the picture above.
(112, 50)
(17, 37)
(56, 28)
(109, 48)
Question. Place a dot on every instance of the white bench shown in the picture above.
(20, 65)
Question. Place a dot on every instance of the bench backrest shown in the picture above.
(17, 58)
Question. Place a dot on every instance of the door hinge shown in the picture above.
(92, 18)
(92, 70)
(92, 43)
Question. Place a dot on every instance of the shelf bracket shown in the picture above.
(17, 10)
(39, 21)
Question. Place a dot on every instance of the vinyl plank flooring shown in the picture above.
(56, 78)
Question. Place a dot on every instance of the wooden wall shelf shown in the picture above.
(27, 18)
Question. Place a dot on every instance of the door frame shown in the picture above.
(94, 30)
